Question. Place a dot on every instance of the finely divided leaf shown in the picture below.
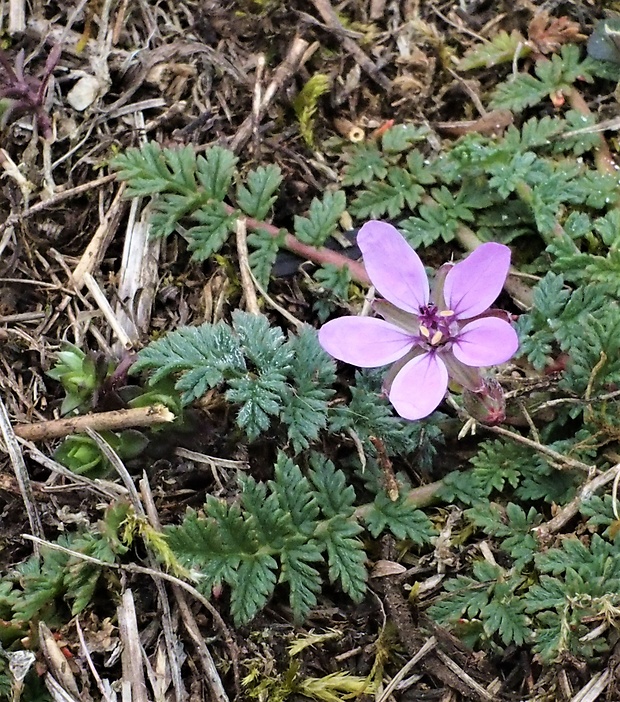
(294, 495)
(305, 407)
(150, 170)
(323, 217)
(215, 171)
(303, 579)
(265, 250)
(345, 555)
(502, 48)
(388, 197)
(365, 163)
(215, 223)
(332, 493)
(401, 136)
(401, 517)
(257, 196)
(256, 581)
(203, 353)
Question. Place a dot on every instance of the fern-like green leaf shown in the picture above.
(401, 517)
(302, 577)
(502, 48)
(257, 196)
(215, 224)
(294, 495)
(345, 555)
(400, 137)
(365, 163)
(265, 250)
(381, 198)
(322, 220)
(202, 353)
(305, 407)
(215, 171)
(256, 581)
(505, 616)
(150, 170)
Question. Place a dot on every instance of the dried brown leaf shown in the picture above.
(547, 34)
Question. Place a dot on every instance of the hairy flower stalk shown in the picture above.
(430, 337)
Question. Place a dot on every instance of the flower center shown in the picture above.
(436, 327)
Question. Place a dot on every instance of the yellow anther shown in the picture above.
(424, 331)
(437, 337)
(446, 313)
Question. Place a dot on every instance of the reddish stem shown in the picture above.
(318, 255)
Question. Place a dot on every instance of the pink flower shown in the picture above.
(428, 336)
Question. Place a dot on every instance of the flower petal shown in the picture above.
(474, 284)
(419, 387)
(393, 266)
(485, 342)
(364, 341)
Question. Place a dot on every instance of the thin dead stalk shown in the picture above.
(249, 291)
(134, 568)
(101, 421)
(330, 18)
(21, 472)
(284, 72)
(543, 531)
(559, 459)
(133, 683)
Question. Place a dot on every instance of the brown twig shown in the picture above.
(449, 669)
(330, 18)
(293, 60)
(102, 421)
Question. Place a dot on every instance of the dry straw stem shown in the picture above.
(102, 302)
(102, 488)
(21, 473)
(56, 199)
(139, 273)
(104, 687)
(543, 531)
(17, 17)
(171, 640)
(56, 660)
(247, 283)
(101, 421)
(595, 687)
(103, 236)
(430, 644)
(133, 681)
